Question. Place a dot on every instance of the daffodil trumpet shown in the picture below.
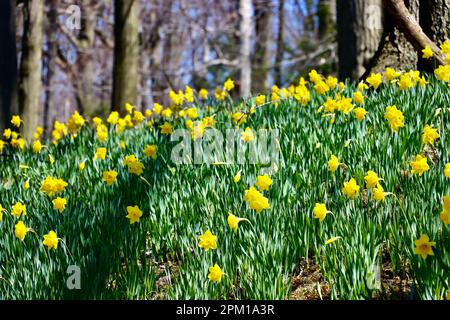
(233, 221)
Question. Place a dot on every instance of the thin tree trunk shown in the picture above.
(245, 7)
(162, 52)
(202, 71)
(262, 13)
(167, 47)
(8, 62)
(309, 18)
(325, 16)
(360, 29)
(156, 63)
(87, 102)
(49, 105)
(31, 66)
(280, 44)
(177, 50)
(126, 54)
(150, 43)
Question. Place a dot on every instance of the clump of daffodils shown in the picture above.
(75, 123)
(263, 182)
(395, 118)
(429, 135)
(51, 240)
(53, 186)
(419, 165)
(109, 177)
(207, 241)
(256, 200)
(59, 204)
(351, 188)
(19, 209)
(134, 165)
(333, 163)
(215, 273)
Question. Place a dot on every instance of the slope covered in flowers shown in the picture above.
(361, 182)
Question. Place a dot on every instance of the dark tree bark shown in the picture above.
(309, 25)
(435, 19)
(31, 66)
(360, 27)
(395, 50)
(49, 105)
(150, 39)
(435, 22)
(162, 51)
(87, 102)
(167, 47)
(126, 54)
(409, 27)
(325, 17)
(8, 62)
(280, 44)
(262, 13)
(173, 49)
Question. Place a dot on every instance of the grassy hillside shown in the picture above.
(362, 247)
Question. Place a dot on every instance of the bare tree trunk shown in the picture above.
(31, 66)
(201, 72)
(162, 52)
(126, 53)
(167, 47)
(435, 19)
(395, 50)
(245, 7)
(156, 63)
(151, 39)
(403, 37)
(325, 14)
(262, 13)
(360, 29)
(8, 62)
(308, 26)
(435, 22)
(175, 78)
(87, 102)
(410, 27)
(280, 44)
(49, 105)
